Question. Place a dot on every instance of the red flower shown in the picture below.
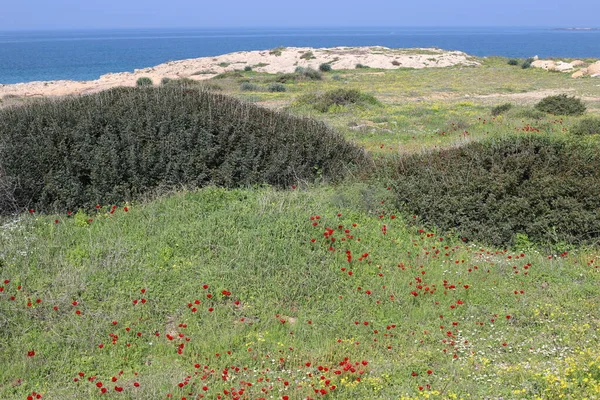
(30, 353)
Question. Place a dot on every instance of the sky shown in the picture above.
(109, 14)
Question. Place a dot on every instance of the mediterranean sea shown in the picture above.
(27, 56)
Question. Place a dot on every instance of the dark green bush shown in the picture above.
(144, 81)
(512, 61)
(546, 189)
(561, 105)
(277, 87)
(325, 67)
(337, 97)
(527, 63)
(120, 144)
(165, 80)
(249, 87)
(300, 74)
(308, 56)
(588, 126)
(358, 66)
(247, 68)
(312, 74)
(502, 108)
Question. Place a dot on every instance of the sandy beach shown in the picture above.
(279, 60)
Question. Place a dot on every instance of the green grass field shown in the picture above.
(315, 291)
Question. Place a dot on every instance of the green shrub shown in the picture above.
(588, 126)
(123, 143)
(247, 68)
(513, 61)
(277, 87)
(308, 56)
(527, 63)
(300, 74)
(325, 67)
(144, 81)
(276, 51)
(497, 110)
(396, 63)
(489, 191)
(249, 87)
(337, 97)
(561, 105)
(358, 66)
(312, 74)
(229, 75)
(165, 80)
(336, 78)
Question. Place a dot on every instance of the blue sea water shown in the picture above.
(84, 55)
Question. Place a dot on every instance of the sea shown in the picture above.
(27, 56)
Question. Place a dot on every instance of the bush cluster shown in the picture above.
(561, 105)
(337, 97)
(513, 61)
(587, 126)
(491, 191)
(119, 144)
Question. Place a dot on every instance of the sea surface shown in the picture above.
(27, 56)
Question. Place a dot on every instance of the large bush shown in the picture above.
(116, 145)
(561, 105)
(546, 189)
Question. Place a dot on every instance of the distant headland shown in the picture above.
(576, 29)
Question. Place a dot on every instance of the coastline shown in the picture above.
(279, 60)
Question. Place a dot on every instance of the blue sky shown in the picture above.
(82, 14)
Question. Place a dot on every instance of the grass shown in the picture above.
(423, 315)
(420, 104)
(415, 302)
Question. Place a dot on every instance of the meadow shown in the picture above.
(318, 287)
